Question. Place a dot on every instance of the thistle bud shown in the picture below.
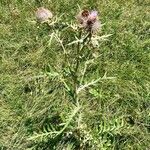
(42, 14)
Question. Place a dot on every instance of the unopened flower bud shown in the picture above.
(43, 14)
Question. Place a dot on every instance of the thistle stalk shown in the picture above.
(79, 49)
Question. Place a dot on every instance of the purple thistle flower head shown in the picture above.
(94, 13)
(89, 20)
(93, 16)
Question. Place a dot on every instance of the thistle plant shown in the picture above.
(56, 88)
(78, 53)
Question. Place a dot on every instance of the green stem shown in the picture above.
(89, 35)
(75, 76)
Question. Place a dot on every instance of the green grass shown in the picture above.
(112, 114)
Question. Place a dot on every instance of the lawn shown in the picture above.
(59, 94)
